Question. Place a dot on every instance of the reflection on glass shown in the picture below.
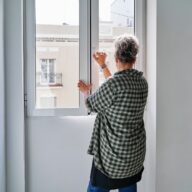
(116, 17)
(57, 53)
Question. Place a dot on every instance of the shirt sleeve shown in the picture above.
(101, 99)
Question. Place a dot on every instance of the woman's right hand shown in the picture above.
(100, 58)
(84, 87)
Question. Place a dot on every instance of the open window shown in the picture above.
(61, 37)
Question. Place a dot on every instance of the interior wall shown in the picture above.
(2, 99)
(46, 145)
(174, 93)
(150, 173)
(14, 116)
(57, 153)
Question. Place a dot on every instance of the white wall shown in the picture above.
(49, 148)
(13, 41)
(2, 115)
(150, 163)
(174, 96)
(56, 158)
(57, 153)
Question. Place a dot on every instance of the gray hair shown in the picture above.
(126, 48)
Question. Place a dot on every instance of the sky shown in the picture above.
(66, 11)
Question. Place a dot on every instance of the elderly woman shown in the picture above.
(118, 142)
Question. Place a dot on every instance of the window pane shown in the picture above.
(57, 53)
(48, 102)
(116, 17)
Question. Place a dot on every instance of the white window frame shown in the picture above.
(140, 32)
(30, 60)
(89, 35)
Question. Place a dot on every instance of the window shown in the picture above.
(58, 34)
(113, 15)
(48, 102)
(64, 42)
(47, 72)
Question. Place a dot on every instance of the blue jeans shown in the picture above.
(132, 188)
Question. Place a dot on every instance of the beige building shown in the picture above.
(57, 62)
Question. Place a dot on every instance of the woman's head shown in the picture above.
(126, 49)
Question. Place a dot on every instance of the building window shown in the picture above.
(47, 71)
(48, 102)
(47, 75)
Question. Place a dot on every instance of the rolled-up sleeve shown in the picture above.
(102, 98)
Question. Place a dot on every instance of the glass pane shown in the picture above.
(116, 17)
(57, 53)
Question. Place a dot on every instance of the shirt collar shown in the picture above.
(132, 72)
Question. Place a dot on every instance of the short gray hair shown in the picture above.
(126, 48)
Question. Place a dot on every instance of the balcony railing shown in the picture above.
(49, 79)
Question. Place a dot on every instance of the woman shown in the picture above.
(118, 142)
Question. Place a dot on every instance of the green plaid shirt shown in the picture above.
(118, 141)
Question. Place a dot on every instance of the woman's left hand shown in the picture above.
(83, 87)
(100, 58)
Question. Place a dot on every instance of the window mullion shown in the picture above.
(94, 42)
(140, 32)
(84, 52)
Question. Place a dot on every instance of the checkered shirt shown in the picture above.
(118, 142)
